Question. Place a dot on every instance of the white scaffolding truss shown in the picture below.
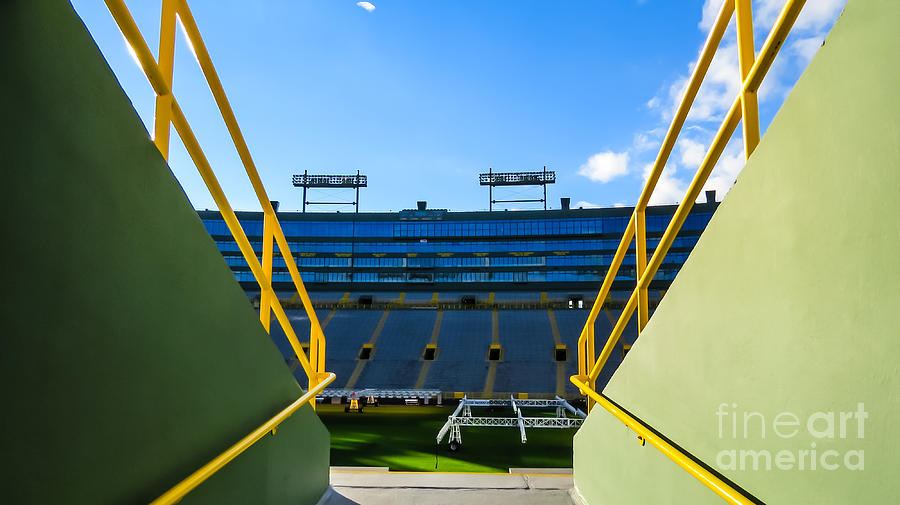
(462, 416)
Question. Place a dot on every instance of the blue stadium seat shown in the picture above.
(398, 351)
(462, 359)
(527, 342)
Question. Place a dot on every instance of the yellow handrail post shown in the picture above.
(582, 351)
(265, 299)
(319, 348)
(746, 56)
(163, 113)
(591, 352)
(640, 239)
(590, 348)
(317, 351)
(313, 349)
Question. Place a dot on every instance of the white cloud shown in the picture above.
(819, 14)
(646, 141)
(668, 188)
(721, 87)
(718, 92)
(605, 166)
(807, 48)
(815, 15)
(586, 205)
(692, 152)
(710, 9)
(766, 12)
(727, 169)
(722, 82)
(366, 5)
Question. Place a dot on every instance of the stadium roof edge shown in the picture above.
(458, 216)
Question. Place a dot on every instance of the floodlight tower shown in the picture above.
(309, 181)
(492, 179)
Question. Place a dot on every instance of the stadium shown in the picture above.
(459, 302)
(693, 346)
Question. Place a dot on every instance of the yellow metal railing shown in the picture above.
(168, 112)
(184, 487)
(745, 106)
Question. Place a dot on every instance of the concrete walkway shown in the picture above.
(376, 486)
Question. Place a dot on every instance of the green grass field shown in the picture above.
(402, 438)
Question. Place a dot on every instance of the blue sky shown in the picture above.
(423, 96)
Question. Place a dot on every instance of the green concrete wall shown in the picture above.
(787, 306)
(130, 356)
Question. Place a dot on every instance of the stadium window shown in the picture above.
(430, 352)
(365, 352)
(494, 353)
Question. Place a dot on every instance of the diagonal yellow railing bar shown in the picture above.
(707, 478)
(231, 220)
(317, 336)
(754, 78)
(184, 487)
(712, 157)
(773, 44)
(134, 39)
(218, 92)
(168, 110)
(757, 73)
(703, 62)
(317, 339)
(745, 106)
(614, 266)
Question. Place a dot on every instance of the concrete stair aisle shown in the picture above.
(376, 486)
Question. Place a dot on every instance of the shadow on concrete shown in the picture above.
(333, 497)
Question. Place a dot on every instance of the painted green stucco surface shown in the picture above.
(130, 356)
(788, 306)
